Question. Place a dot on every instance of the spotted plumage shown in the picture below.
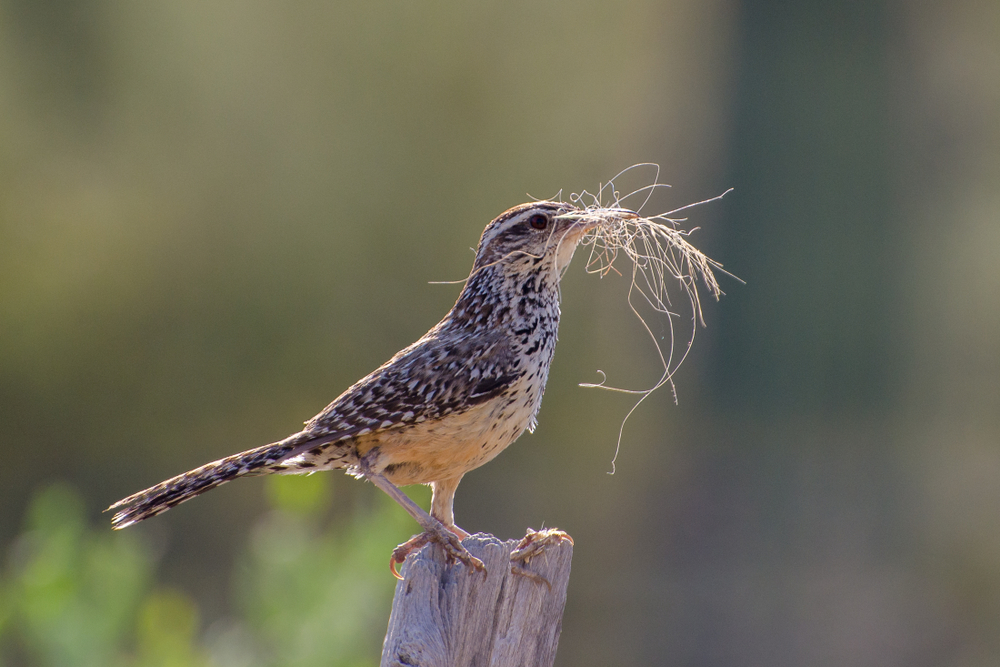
(446, 404)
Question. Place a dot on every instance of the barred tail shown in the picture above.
(174, 491)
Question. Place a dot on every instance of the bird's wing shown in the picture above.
(434, 377)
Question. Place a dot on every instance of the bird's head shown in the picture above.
(539, 233)
(535, 233)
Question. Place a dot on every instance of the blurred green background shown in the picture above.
(215, 216)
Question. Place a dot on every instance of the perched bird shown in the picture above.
(446, 404)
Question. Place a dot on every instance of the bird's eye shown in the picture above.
(539, 221)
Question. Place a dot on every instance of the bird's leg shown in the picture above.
(531, 545)
(443, 504)
(434, 529)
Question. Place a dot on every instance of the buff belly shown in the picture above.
(449, 447)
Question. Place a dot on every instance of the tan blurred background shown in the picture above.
(215, 216)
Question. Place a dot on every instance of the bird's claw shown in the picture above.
(532, 544)
(453, 550)
(536, 541)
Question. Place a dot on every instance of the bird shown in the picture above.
(445, 405)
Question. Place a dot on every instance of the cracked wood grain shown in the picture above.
(452, 616)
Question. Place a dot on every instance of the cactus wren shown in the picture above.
(446, 404)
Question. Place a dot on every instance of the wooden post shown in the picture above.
(452, 616)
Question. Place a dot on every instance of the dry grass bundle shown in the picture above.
(658, 250)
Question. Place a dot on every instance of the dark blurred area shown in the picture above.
(214, 217)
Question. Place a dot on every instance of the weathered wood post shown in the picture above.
(452, 616)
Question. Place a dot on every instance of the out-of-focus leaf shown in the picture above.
(72, 593)
(167, 631)
(299, 494)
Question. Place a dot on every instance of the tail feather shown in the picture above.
(174, 491)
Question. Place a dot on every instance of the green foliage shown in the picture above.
(310, 596)
(166, 631)
(298, 494)
(70, 593)
(305, 594)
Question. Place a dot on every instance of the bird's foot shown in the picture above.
(447, 537)
(531, 545)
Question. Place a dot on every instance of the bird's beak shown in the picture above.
(588, 220)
